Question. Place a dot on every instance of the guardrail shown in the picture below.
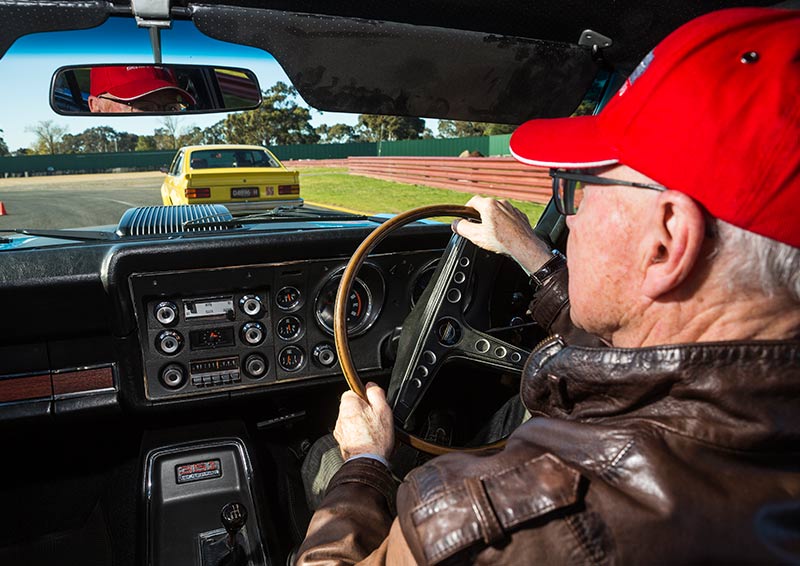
(497, 176)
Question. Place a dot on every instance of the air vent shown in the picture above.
(154, 220)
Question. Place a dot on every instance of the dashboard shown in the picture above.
(139, 325)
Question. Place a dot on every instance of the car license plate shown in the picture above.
(244, 192)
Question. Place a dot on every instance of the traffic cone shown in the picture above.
(2, 209)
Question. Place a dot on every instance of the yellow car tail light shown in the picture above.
(288, 189)
(197, 193)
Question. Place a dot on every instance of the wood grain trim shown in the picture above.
(23, 388)
(80, 381)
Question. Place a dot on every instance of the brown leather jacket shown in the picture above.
(672, 454)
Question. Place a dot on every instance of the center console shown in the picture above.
(201, 505)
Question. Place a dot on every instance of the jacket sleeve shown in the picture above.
(551, 310)
(354, 522)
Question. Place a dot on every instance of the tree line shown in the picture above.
(280, 120)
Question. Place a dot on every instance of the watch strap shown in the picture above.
(557, 262)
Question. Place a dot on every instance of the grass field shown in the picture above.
(335, 187)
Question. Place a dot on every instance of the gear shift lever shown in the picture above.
(234, 517)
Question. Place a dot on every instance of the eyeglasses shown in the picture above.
(568, 187)
(149, 106)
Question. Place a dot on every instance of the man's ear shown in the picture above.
(674, 242)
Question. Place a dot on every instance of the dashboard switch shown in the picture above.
(166, 313)
(253, 333)
(173, 376)
(169, 342)
(251, 305)
(324, 355)
(255, 366)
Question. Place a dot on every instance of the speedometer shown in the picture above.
(359, 305)
(364, 302)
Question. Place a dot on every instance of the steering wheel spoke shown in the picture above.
(489, 351)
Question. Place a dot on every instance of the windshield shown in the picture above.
(62, 171)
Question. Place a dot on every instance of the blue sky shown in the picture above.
(27, 72)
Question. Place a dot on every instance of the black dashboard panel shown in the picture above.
(212, 330)
(73, 311)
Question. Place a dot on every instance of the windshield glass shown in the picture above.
(216, 159)
(61, 171)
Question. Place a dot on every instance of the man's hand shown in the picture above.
(504, 230)
(365, 427)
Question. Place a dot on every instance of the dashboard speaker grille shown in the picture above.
(152, 220)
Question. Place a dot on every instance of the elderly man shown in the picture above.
(136, 88)
(680, 443)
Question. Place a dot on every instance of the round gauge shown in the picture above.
(291, 358)
(287, 298)
(421, 280)
(358, 305)
(289, 327)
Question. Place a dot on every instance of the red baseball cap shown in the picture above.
(712, 112)
(135, 81)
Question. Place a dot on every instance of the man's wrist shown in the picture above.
(371, 456)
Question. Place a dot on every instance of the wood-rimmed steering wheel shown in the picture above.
(433, 332)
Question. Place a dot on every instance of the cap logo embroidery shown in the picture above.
(637, 72)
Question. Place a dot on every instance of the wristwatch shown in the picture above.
(556, 262)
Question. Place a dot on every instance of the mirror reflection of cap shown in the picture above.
(129, 82)
(712, 112)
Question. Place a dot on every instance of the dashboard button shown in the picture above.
(251, 305)
(324, 354)
(256, 366)
(166, 313)
(173, 376)
(169, 342)
(253, 333)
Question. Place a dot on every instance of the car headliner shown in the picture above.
(502, 61)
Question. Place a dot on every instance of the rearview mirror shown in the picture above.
(153, 89)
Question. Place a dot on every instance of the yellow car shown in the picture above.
(242, 177)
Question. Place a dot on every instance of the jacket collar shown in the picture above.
(742, 395)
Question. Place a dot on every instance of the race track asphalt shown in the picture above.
(72, 201)
(69, 201)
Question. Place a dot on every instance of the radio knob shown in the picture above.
(324, 355)
(169, 342)
(251, 305)
(253, 333)
(173, 376)
(255, 366)
(166, 313)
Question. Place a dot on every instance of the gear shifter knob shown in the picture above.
(234, 517)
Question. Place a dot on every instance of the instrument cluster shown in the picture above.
(208, 331)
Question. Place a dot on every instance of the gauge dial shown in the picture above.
(287, 298)
(358, 306)
(291, 358)
(289, 327)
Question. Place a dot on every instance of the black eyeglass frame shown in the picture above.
(565, 200)
(178, 106)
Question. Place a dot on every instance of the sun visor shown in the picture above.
(343, 64)
(20, 18)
